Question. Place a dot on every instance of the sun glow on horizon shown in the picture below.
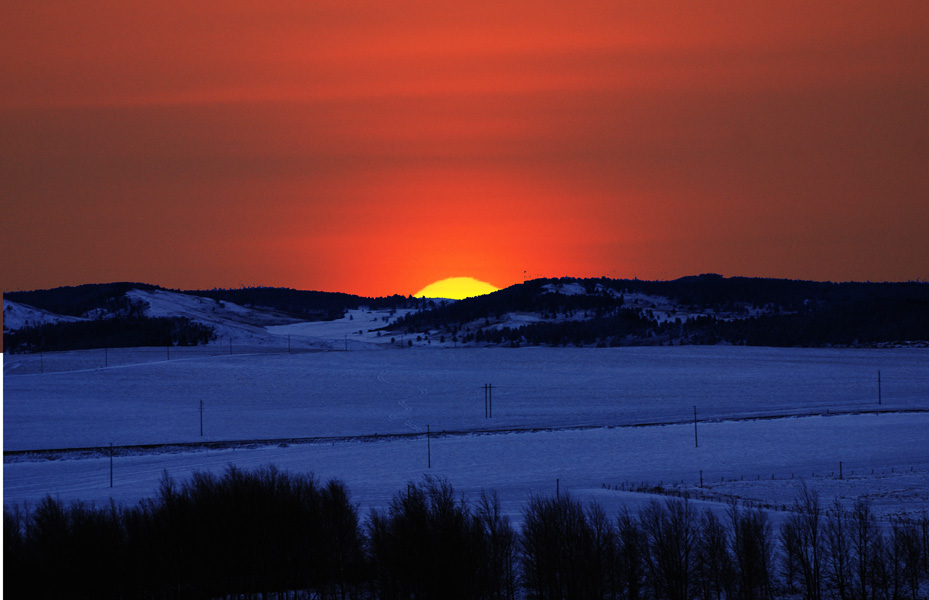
(456, 288)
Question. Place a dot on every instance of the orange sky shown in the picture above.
(375, 147)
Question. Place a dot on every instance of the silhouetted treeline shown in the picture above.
(267, 533)
(117, 332)
(794, 313)
(720, 293)
(242, 533)
(861, 322)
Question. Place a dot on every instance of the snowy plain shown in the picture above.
(587, 421)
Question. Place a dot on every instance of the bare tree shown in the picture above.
(603, 547)
(907, 556)
(838, 546)
(864, 544)
(563, 549)
(498, 560)
(752, 553)
(632, 547)
(802, 541)
(423, 547)
(671, 530)
(714, 564)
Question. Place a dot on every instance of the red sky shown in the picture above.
(375, 147)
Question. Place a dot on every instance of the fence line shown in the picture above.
(102, 358)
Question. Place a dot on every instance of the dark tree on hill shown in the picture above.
(77, 301)
(109, 333)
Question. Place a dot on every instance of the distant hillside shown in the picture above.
(82, 300)
(136, 314)
(308, 305)
(706, 309)
(117, 332)
(86, 300)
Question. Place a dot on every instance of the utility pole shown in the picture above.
(696, 444)
(490, 400)
(485, 400)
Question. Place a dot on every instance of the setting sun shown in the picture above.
(456, 288)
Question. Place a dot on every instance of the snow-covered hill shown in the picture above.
(240, 326)
(249, 326)
(708, 309)
(663, 308)
(17, 316)
(232, 323)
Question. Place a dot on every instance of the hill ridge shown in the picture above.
(565, 311)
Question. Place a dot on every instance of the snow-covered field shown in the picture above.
(584, 420)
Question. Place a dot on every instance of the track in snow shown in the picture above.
(407, 409)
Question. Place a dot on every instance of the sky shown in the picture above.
(377, 147)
